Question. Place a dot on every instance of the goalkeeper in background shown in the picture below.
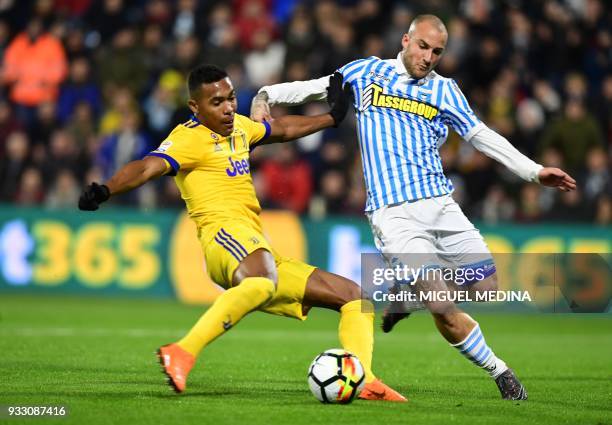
(209, 159)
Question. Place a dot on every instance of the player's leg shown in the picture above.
(464, 333)
(356, 334)
(464, 247)
(458, 244)
(356, 328)
(401, 234)
(249, 272)
(253, 284)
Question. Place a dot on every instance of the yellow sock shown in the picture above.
(356, 332)
(226, 311)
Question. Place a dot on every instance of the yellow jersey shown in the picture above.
(213, 172)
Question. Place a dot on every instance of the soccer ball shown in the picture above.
(336, 376)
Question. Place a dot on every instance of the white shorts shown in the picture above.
(431, 232)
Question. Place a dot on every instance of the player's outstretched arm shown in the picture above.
(293, 93)
(292, 127)
(499, 148)
(132, 175)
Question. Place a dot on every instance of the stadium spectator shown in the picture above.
(63, 154)
(8, 125)
(78, 88)
(157, 52)
(34, 65)
(333, 186)
(81, 127)
(105, 18)
(570, 206)
(74, 42)
(160, 106)
(252, 18)
(573, 134)
(264, 62)
(496, 207)
(187, 55)
(12, 166)
(530, 120)
(603, 107)
(597, 181)
(529, 208)
(122, 64)
(126, 144)
(4, 38)
(288, 179)
(30, 190)
(223, 48)
(603, 216)
(64, 192)
(185, 22)
(339, 48)
(519, 81)
(300, 37)
(46, 123)
(121, 103)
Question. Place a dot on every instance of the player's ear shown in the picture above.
(193, 105)
(405, 40)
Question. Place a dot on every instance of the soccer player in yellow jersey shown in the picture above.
(209, 157)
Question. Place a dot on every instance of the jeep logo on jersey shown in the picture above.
(373, 95)
(238, 167)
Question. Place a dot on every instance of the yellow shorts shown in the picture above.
(232, 243)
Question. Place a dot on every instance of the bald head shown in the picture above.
(423, 45)
(432, 20)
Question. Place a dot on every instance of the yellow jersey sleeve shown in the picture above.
(256, 131)
(180, 150)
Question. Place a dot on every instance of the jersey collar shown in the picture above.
(194, 118)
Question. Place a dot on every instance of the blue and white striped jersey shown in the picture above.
(401, 123)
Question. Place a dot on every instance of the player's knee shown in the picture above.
(345, 291)
(351, 292)
(257, 264)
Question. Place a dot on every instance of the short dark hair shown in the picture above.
(204, 74)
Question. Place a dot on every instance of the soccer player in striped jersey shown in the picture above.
(209, 159)
(403, 110)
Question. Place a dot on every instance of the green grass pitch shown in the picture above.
(96, 357)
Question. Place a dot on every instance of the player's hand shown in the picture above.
(260, 110)
(338, 97)
(555, 177)
(93, 196)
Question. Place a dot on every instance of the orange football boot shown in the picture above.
(377, 390)
(176, 364)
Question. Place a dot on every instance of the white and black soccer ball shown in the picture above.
(336, 376)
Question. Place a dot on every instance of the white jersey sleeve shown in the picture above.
(297, 92)
(499, 148)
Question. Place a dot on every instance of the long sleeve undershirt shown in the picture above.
(483, 138)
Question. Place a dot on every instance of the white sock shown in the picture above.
(476, 350)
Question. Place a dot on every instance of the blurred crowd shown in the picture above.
(88, 85)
